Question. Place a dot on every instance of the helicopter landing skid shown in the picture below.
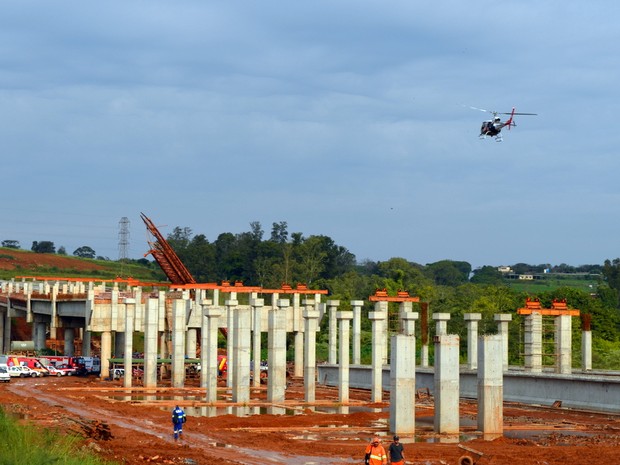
(497, 138)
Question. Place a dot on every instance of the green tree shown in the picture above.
(312, 258)
(180, 239)
(227, 257)
(279, 232)
(84, 252)
(11, 244)
(199, 257)
(487, 275)
(611, 273)
(448, 272)
(43, 247)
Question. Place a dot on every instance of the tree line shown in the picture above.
(49, 247)
(269, 260)
(449, 286)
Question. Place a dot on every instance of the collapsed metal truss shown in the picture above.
(166, 257)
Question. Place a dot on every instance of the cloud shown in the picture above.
(343, 119)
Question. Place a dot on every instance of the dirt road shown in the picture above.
(141, 430)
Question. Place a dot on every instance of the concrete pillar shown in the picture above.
(378, 320)
(563, 344)
(130, 307)
(447, 384)
(231, 305)
(86, 342)
(106, 352)
(2, 326)
(119, 344)
(179, 314)
(257, 309)
(69, 342)
(209, 352)
(39, 328)
(311, 318)
(150, 343)
(407, 322)
(424, 334)
(471, 321)
(191, 342)
(382, 307)
(28, 295)
(403, 308)
(54, 323)
(114, 295)
(533, 343)
(276, 381)
(332, 308)
(357, 305)
(441, 323)
(490, 386)
(586, 350)
(164, 350)
(502, 325)
(298, 345)
(402, 384)
(241, 349)
(344, 320)
(424, 355)
(202, 303)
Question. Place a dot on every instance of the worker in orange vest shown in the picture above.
(375, 453)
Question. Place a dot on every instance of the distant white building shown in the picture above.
(526, 277)
(504, 269)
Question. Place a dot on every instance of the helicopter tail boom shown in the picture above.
(510, 122)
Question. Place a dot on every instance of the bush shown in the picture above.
(28, 445)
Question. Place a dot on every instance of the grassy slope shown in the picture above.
(17, 263)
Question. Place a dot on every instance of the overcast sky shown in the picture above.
(343, 118)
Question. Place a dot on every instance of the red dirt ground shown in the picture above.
(11, 259)
(142, 433)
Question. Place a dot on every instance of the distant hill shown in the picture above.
(17, 262)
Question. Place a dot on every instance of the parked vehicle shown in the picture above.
(53, 371)
(66, 370)
(34, 364)
(16, 371)
(88, 365)
(58, 360)
(5, 377)
(118, 373)
(29, 372)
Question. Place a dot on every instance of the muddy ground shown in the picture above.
(133, 428)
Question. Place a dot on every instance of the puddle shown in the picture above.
(538, 434)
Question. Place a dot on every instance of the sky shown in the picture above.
(350, 119)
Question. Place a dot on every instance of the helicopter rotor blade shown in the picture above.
(482, 109)
(501, 112)
(511, 113)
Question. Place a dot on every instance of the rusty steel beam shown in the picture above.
(166, 257)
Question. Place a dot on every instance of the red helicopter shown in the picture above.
(493, 127)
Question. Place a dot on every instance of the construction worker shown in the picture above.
(375, 453)
(178, 418)
(397, 452)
